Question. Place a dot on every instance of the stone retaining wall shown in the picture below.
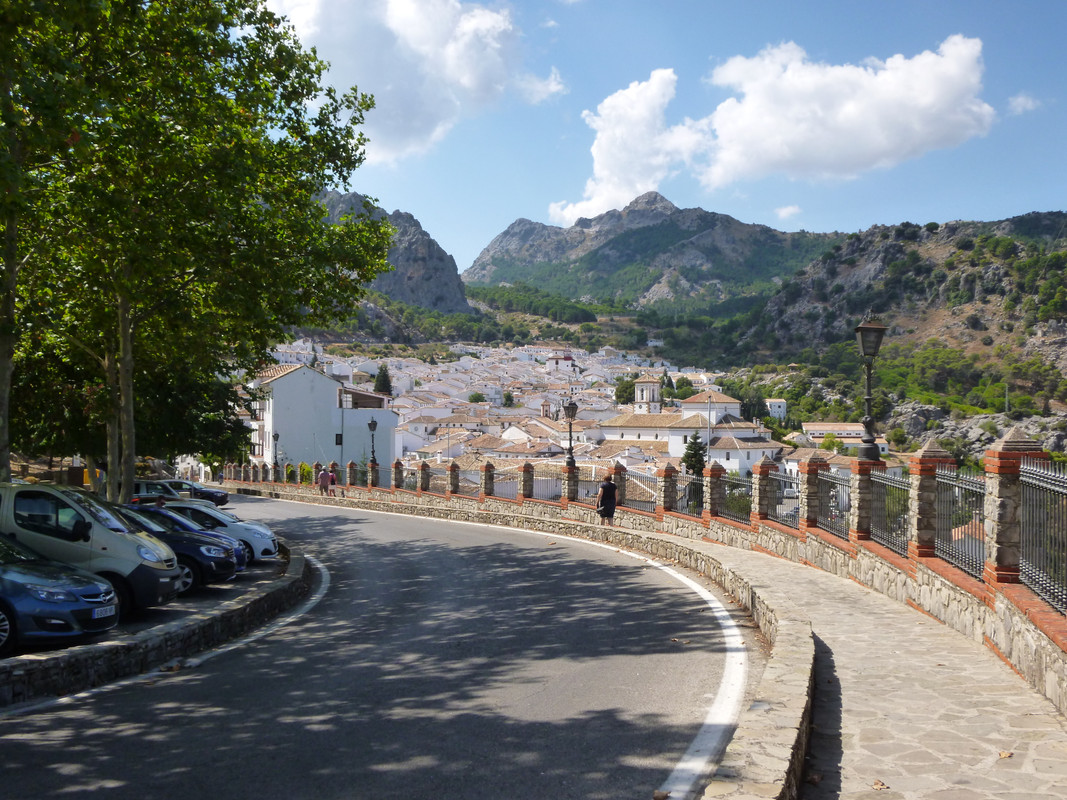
(35, 676)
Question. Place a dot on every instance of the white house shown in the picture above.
(305, 416)
(776, 407)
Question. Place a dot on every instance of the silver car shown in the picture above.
(257, 540)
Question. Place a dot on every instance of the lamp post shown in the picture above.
(571, 410)
(275, 437)
(869, 334)
(373, 426)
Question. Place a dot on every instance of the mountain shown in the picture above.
(649, 252)
(423, 273)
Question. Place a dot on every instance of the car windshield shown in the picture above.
(11, 552)
(143, 521)
(96, 509)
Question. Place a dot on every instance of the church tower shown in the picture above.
(646, 396)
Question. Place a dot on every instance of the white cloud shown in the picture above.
(785, 212)
(1022, 103)
(633, 150)
(428, 63)
(536, 90)
(790, 117)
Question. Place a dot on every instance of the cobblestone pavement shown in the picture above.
(908, 708)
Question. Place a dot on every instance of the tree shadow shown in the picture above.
(822, 768)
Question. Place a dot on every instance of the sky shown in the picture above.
(820, 116)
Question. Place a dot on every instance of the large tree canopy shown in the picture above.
(178, 227)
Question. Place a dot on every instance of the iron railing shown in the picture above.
(1043, 536)
(690, 497)
(889, 511)
(784, 507)
(834, 501)
(470, 482)
(547, 482)
(410, 479)
(641, 491)
(960, 537)
(507, 485)
(737, 498)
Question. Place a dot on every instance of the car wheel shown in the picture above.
(250, 554)
(8, 634)
(122, 594)
(188, 576)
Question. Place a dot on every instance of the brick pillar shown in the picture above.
(372, 475)
(763, 493)
(526, 486)
(666, 489)
(424, 477)
(287, 472)
(808, 489)
(487, 487)
(714, 490)
(922, 499)
(1003, 492)
(352, 473)
(453, 478)
(246, 473)
(861, 499)
(619, 473)
(570, 483)
(398, 474)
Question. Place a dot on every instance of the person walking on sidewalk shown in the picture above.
(605, 500)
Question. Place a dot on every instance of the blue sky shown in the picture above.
(823, 116)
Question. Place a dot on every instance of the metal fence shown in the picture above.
(784, 507)
(889, 511)
(834, 501)
(588, 487)
(737, 498)
(641, 491)
(547, 482)
(1043, 522)
(960, 537)
(690, 497)
(507, 484)
(439, 479)
(410, 479)
(470, 482)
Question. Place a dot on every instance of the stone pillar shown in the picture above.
(372, 475)
(861, 499)
(808, 490)
(352, 473)
(922, 499)
(714, 490)
(453, 478)
(569, 476)
(1003, 466)
(526, 487)
(424, 477)
(246, 473)
(619, 473)
(316, 468)
(487, 487)
(290, 476)
(666, 489)
(398, 474)
(763, 492)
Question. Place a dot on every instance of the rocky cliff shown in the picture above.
(423, 273)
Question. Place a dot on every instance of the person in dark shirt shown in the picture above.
(605, 500)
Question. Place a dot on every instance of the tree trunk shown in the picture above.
(126, 404)
(8, 338)
(114, 450)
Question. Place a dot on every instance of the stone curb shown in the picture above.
(765, 757)
(36, 676)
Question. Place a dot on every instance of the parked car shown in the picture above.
(198, 491)
(201, 559)
(77, 528)
(43, 600)
(258, 540)
(171, 520)
(147, 491)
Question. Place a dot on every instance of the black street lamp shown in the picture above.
(869, 333)
(571, 410)
(275, 436)
(373, 426)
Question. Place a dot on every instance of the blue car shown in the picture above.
(201, 559)
(43, 600)
(176, 522)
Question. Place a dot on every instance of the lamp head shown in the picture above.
(869, 334)
(373, 425)
(571, 410)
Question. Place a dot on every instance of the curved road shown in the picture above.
(444, 660)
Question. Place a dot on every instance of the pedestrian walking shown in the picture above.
(605, 500)
(323, 481)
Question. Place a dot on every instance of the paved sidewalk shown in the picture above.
(907, 708)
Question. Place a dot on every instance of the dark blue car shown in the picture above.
(176, 522)
(201, 559)
(43, 600)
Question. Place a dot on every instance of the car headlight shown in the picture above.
(146, 554)
(49, 594)
(262, 534)
(211, 551)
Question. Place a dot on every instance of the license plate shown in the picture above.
(103, 611)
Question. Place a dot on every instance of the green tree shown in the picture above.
(208, 110)
(383, 384)
(509, 400)
(476, 397)
(624, 390)
(693, 459)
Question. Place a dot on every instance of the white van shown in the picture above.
(72, 526)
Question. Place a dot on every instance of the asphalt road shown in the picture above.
(443, 660)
